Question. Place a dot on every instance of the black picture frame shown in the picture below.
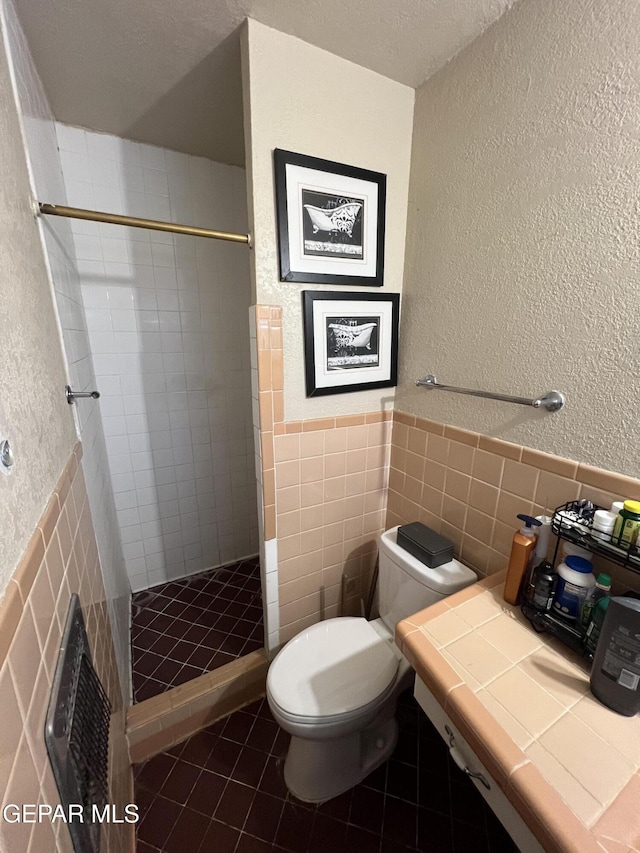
(350, 341)
(331, 221)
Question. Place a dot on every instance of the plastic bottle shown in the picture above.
(575, 580)
(603, 524)
(595, 625)
(625, 531)
(524, 542)
(568, 549)
(602, 588)
(544, 581)
(615, 675)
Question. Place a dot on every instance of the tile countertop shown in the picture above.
(569, 765)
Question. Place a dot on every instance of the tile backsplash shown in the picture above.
(470, 487)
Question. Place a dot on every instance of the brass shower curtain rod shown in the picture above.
(136, 222)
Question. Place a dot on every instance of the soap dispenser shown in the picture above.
(522, 550)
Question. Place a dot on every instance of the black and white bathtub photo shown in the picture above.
(331, 220)
(350, 343)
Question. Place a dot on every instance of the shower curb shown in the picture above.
(161, 722)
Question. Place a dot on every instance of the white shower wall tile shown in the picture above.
(167, 324)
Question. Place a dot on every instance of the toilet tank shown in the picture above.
(405, 585)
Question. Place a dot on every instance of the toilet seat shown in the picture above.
(333, 670)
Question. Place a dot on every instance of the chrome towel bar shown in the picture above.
(552, 401)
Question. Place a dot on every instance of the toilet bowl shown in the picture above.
(334, 686)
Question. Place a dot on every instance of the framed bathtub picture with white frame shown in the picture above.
(331, 221)
(350, 341)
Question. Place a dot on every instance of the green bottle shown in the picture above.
(600, 590)
(595, 625)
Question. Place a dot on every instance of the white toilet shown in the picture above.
(334, 687)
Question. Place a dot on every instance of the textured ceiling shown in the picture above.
(168, 73)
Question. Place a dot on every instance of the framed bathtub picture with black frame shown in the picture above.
(331, 221)
(350, 341)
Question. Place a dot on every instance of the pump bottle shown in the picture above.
(522, 551)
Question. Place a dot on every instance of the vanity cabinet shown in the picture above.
(468, 762)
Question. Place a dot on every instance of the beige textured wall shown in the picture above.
(33, 412)
(523, 242)
(303, 99)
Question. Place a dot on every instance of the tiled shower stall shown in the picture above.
(167, 318)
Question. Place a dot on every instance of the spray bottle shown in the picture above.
(522, 551)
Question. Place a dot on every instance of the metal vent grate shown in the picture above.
(77, 733)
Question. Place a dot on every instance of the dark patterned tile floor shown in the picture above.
(222, 791)
(181, 629)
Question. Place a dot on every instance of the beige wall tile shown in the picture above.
(547, 462)
(479, 525)
(430, 426)
(312, 469)
(289, 499)
(553, 491)
(399, 433)
(608, 481)
(461, 456)
(435, 474)
(519, 479)
(334, 489)
(287, 448)
(23, 787)
(500, 448)
(11, 728)
(356, 461)
(319, 423)
(311, 494)
(503, 537)
(438, 448)
(483, 497)
(335, 440)
(509, 507)
(432, 500)
(377, 457)
(378, 434)
(488, 467)
(457, 485)
(310, 543)
(288, 473)
(265, 402)
(357, 437)
(454, 512)
(24, 658)
(415, 465)
(29, 566)
(311, 444)
(10, 615)
(463, 436)
(413, 489)
(288, 523)
(335, 465)
(278, 407)
(417, 441)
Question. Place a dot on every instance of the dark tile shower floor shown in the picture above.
(221, 791)
(181, 629)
